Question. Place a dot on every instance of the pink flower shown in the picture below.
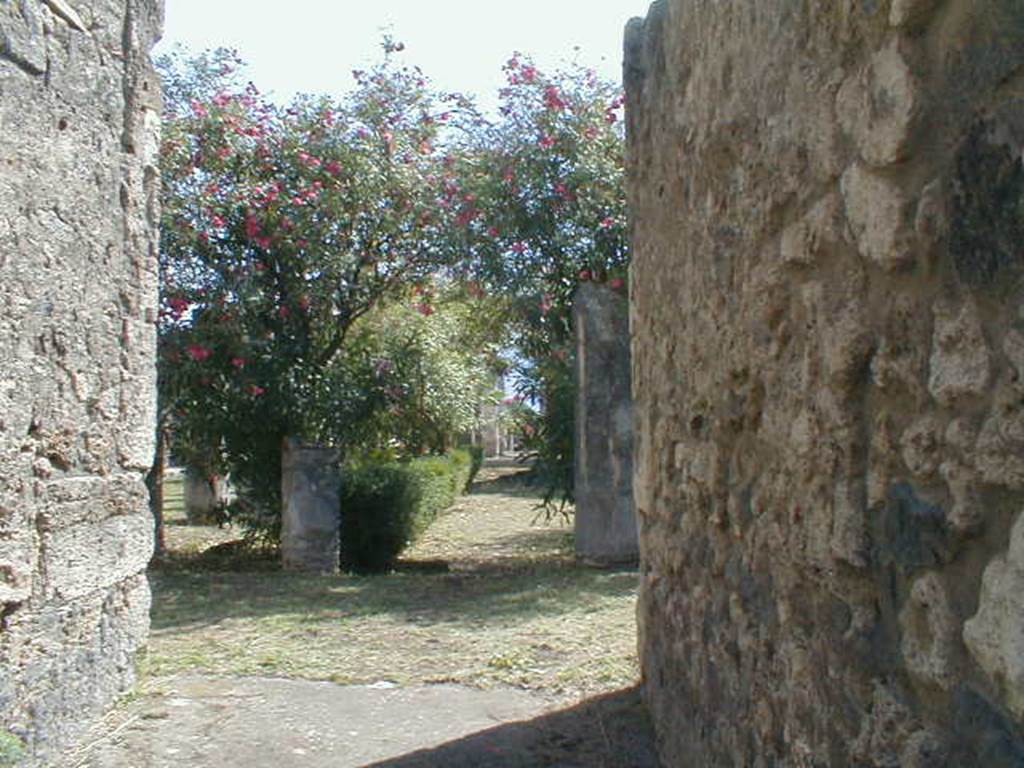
(466, 216)
(178, 305)
(519, 247)
(547, 142)
(252, 227)
(262, 242)
(616, 283)
(218, 221)
(198, 352)
(529, 74)
(238, 362)
(256, 390)
(493, 231)
(333, 168)
(198, 109)
(610, 117)
(607, 223)
(586, 275)
(553, 99)
(425, 309)
(283, 312)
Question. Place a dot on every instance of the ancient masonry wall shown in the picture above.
(79, 131)
(828, 340)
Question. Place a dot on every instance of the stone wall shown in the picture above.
(79, 129)
(828, 331)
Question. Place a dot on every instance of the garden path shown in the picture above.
(488, 647)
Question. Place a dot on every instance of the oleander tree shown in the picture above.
(539, 207)
(282, 227)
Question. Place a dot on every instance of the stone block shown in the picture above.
(310, 513)
(879, 214)
(605, 523)
(995, 634)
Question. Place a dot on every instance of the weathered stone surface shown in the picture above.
(879, 215)
(906, 12)
(877, 106)
(995, 634)
(79, 129)
(205, 496)
(960, 362)
(826, 285)
(605, 524)
(310, 507)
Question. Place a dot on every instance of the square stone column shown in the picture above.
(606, 531)
(310, 507)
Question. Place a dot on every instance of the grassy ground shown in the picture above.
(487, 598)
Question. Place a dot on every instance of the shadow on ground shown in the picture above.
(610, 731)
(496, 595)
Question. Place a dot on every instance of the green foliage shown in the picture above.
(386, 506)
(542, 208)
(281, 227)
(419, 371)
(11, 750)
(476, 454)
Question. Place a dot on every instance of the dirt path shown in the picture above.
(488, 647)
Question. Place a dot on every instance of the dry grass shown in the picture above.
(512, 608)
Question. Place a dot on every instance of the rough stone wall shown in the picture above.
(828, 334)
(605, 524)
(79, 129)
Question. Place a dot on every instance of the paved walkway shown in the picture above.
(254, 722)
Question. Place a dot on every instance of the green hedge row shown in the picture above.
(385, 506)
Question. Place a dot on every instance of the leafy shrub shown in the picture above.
(11, 749)
(386, 506)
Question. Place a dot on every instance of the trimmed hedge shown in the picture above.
(385, 506)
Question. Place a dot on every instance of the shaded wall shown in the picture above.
(79, 113)
(828, 342)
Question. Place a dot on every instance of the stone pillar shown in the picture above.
(490, 431)
(310, 507)
(605, 524)
(204, 496)
(79, 210)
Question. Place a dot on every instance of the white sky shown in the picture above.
(313, 45)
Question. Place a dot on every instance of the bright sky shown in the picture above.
(313, 45)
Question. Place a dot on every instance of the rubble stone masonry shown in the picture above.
(79, 133)
(828, 344)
